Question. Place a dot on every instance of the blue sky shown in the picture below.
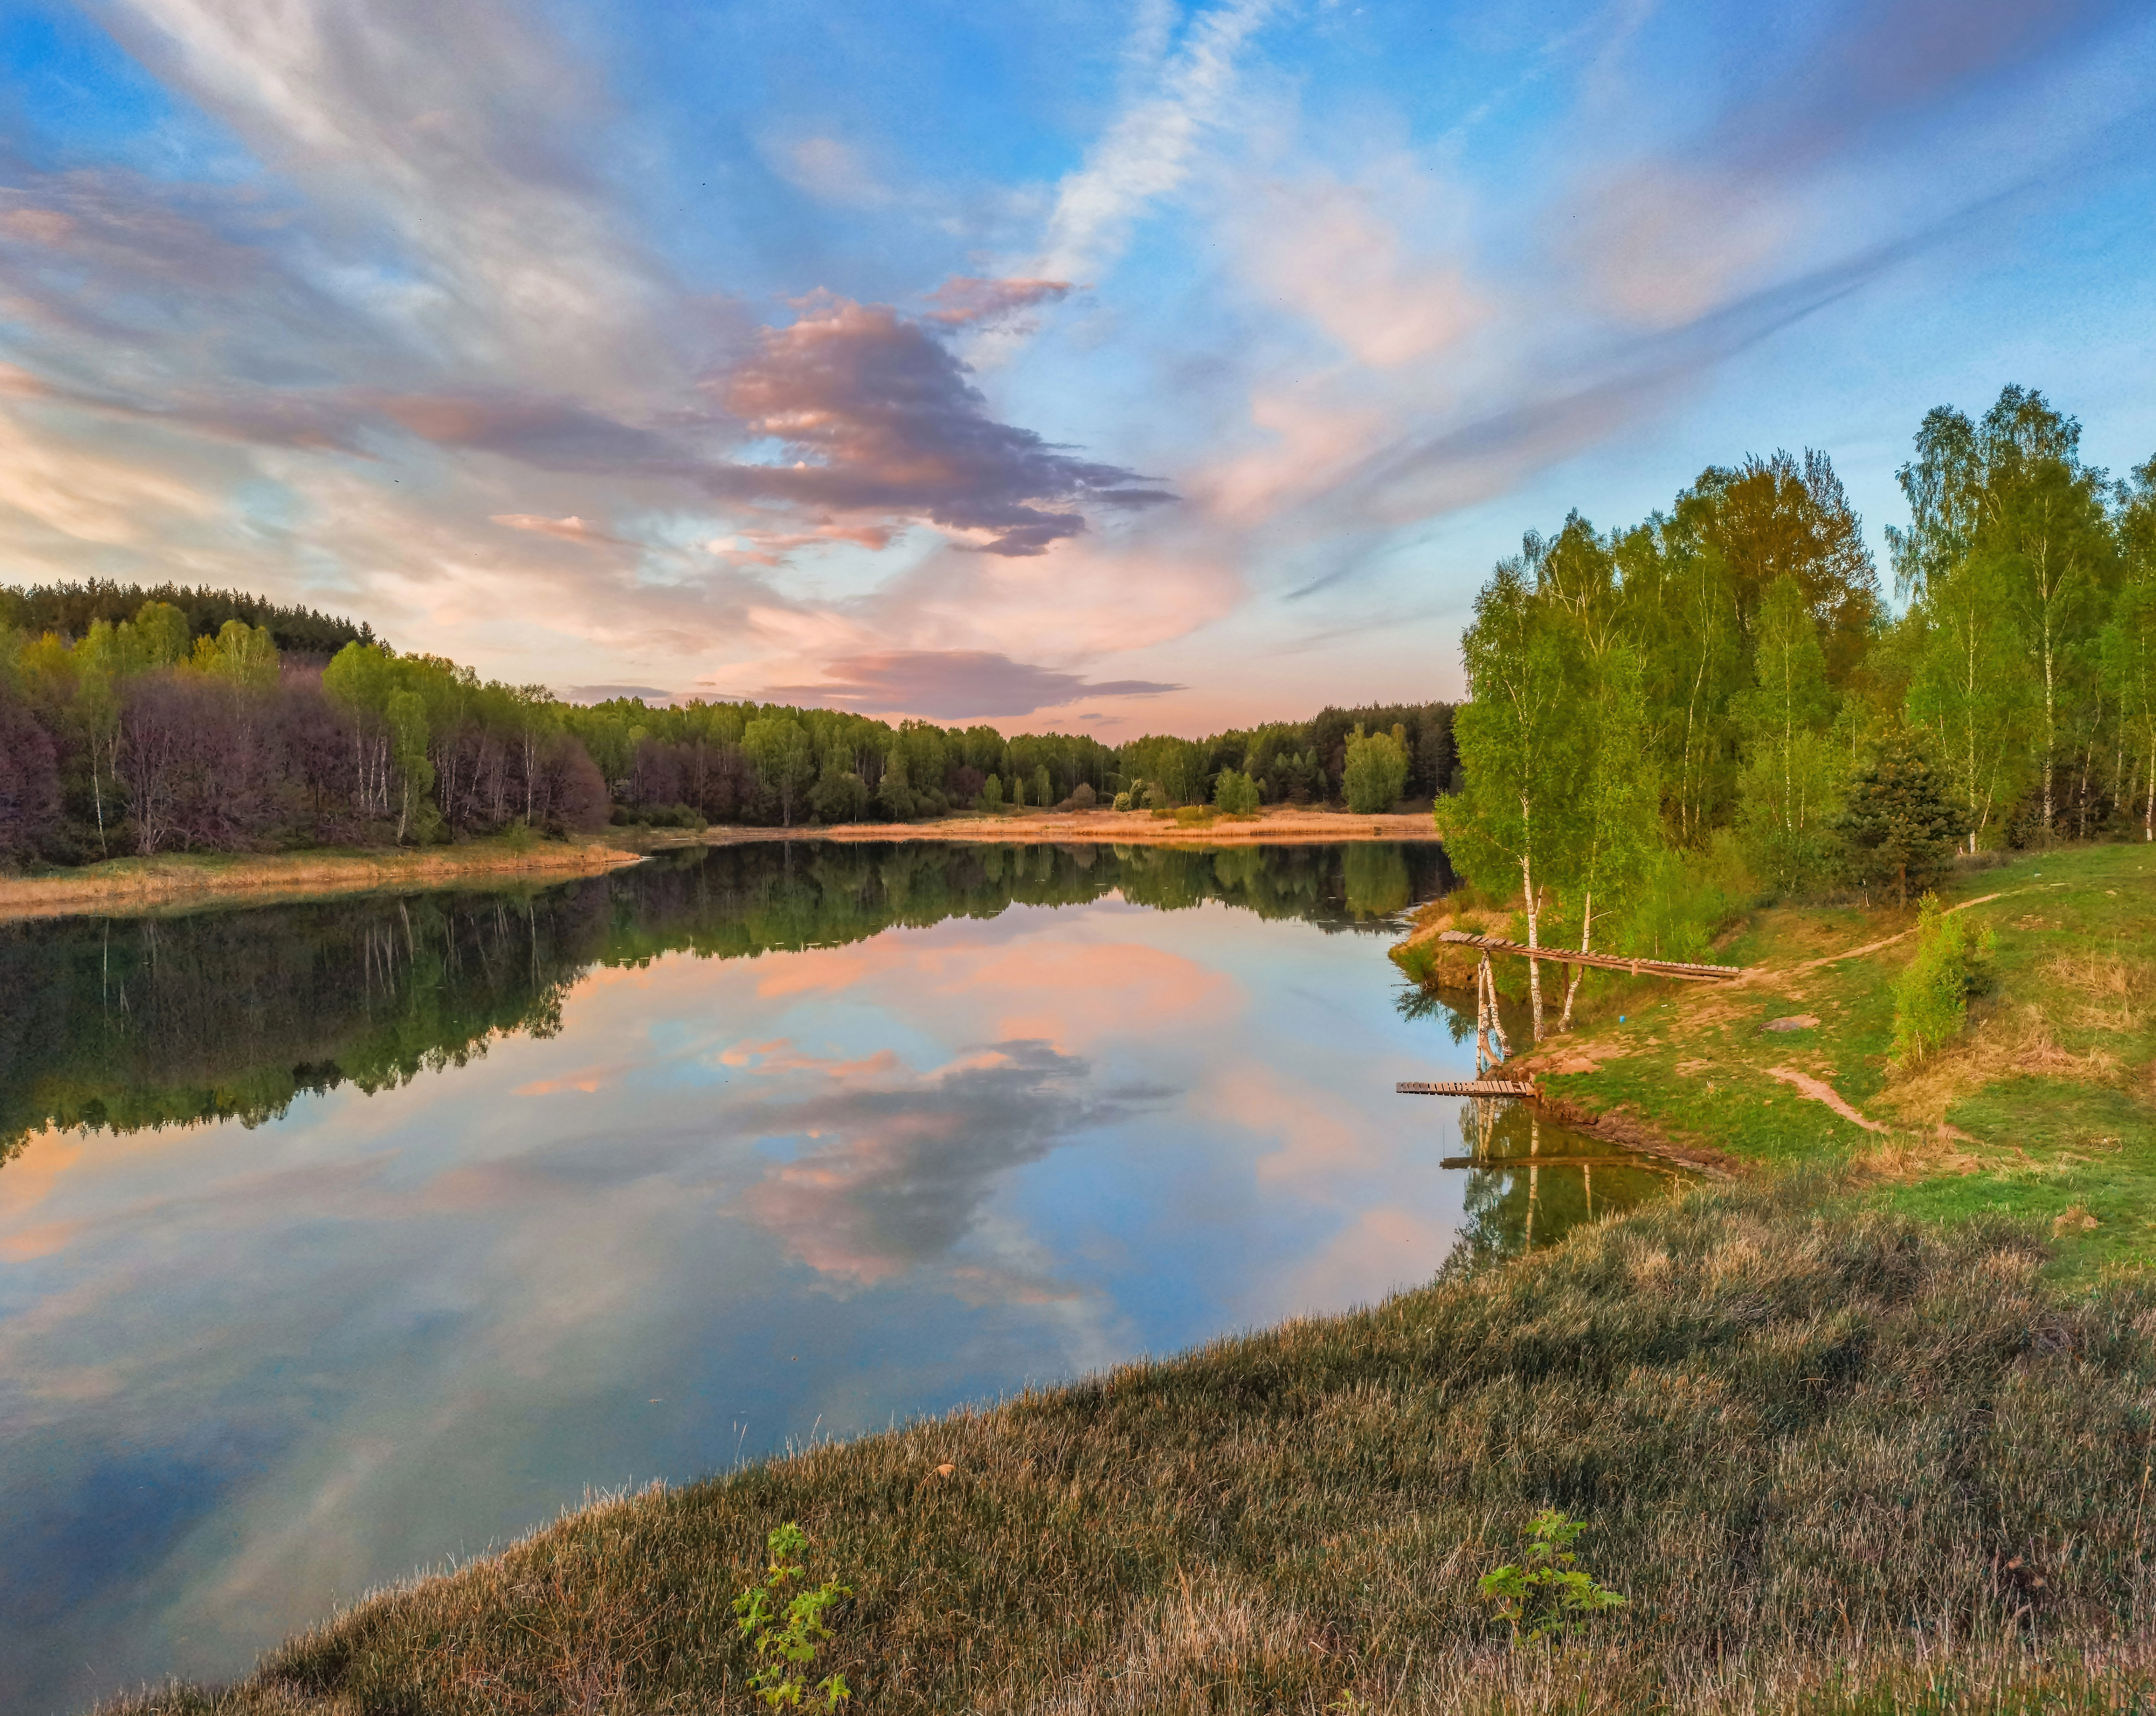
(1114, 366)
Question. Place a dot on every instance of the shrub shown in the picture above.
(1931, 995)
(1123, 801)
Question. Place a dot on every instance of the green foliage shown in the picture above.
(1549, 1595)
(1788, 791)
(992, 794)
(1899, 823)
(1932, 992)
(1123, 801)
(1376, 771)
(784, 1631)
(1234, 794)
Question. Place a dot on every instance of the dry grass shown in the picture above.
(1838, 1461)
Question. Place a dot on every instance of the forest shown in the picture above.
(140, 721)
(1720, 701)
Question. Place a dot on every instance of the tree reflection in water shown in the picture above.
(1530, 1183)
(122, 1024)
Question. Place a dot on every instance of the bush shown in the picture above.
(1123, 801)
(1082, 797)
(1931, 995)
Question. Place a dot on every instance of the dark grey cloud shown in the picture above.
(954, 685)
(898, 1175)
(877, 418)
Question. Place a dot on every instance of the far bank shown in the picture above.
(180, 881)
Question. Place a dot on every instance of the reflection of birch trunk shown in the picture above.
(1487, 1000)
(1534, 1173)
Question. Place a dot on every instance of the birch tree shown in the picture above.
(1519, 744)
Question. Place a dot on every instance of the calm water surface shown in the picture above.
(346, 1238)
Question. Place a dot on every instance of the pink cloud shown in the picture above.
(962, 300)
(570, 529)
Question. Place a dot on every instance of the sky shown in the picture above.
(1107, 367)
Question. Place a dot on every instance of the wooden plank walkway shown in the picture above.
(1600, 962)
(1465, 1087)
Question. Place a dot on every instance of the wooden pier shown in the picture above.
(1600, 962)
(1464, 1087)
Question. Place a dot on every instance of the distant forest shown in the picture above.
(145, 721)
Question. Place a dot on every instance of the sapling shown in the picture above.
(1551, 1597)
(784, 1633)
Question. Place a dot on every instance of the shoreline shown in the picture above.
(1288, 826)
(180, 881)
(140, 884)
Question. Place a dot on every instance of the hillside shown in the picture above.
(1836, 1461)
(2045, 1109)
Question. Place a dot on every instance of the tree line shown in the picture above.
(146, 729)
(1720, 700)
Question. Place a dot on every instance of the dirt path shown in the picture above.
(137, 884)
(1769, 976)
(1819, 1091)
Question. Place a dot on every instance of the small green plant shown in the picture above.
(785, 1631)
(1551, 1597)
(519, 836)
(1931, 994)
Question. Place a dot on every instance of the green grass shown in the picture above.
(2049, 1100)
(1809, 1441)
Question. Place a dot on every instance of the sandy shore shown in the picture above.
(1287, 826)
(136, 885)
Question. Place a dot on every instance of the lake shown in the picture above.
(339, 1240)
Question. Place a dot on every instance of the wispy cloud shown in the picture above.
(1145, 152)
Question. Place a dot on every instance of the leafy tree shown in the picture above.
(840, 795)
(1618, 818)
(2128, 646)
(1519, 743)
(1234, 793)
(1971, 693)
(992, 793)
(1899, 821)
(1776, 518)
(1377, 770)
(1786, 792)
(778, 748)
(1043, 794)
(406, 712)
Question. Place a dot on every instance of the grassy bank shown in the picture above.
(2045, 1107)
(131, 885)
(1837, 1460)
